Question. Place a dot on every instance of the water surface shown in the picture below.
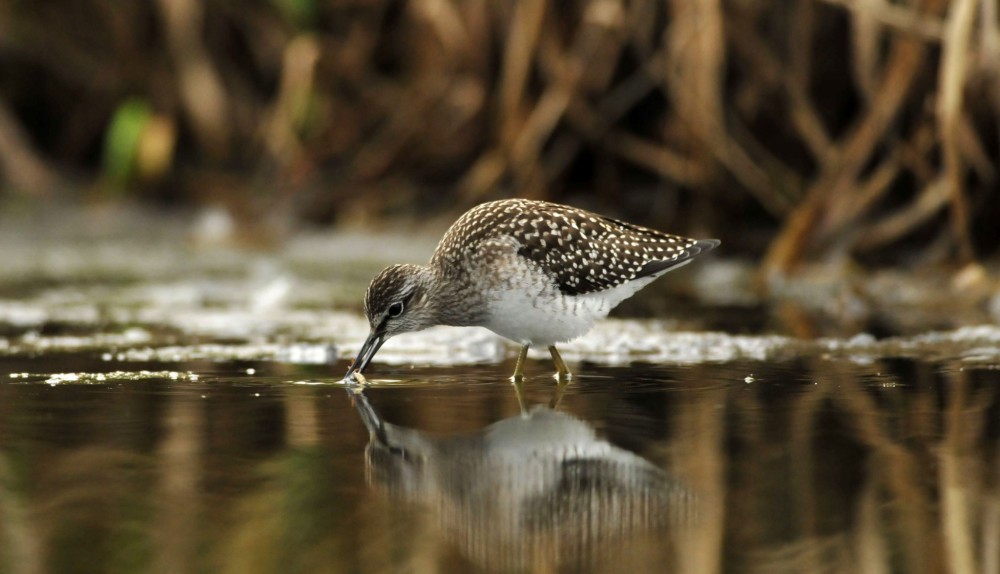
(166, 409)
(805, 466)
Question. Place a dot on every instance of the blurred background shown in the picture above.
(194, 193)
(796, 131)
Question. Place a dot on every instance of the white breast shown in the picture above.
(533, 311)
(524, 304)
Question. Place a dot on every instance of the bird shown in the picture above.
(534, 272)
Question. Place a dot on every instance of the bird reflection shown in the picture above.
(536, 490)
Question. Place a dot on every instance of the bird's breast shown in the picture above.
(523, 302)
(541, 320)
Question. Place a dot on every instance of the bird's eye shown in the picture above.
(396, 309)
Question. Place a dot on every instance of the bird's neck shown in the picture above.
(455, 301)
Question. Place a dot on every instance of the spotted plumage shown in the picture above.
(581, 251)
(535, 272)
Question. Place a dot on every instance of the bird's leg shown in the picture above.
(558, 394)
(563, 377)
(518, 376)
(519, 393)
(562, 371)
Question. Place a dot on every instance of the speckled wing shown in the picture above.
(588, 253)
(582, 252)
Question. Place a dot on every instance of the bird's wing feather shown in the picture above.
(600, 253)
(582, 251)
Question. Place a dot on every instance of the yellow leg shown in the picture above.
(562, 371)
(518, 375)
(519, 391)
(558, 394)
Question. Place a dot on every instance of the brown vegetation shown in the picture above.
(802, 128)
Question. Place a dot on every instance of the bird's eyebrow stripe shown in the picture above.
(404, 299)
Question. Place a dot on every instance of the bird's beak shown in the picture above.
(372, 344)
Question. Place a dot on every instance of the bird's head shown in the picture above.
(396, 302)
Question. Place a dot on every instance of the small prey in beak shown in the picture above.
(371, 346)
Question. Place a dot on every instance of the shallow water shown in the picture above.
(166, 411)
(746, 466)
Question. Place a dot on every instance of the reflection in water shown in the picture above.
(537, 490)
(817, 465)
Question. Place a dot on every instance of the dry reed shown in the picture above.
(827, 125)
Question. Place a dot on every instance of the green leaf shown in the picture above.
(121, 143)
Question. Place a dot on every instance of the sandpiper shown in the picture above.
(535, 272)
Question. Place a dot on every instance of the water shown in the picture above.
(164, 410)
(732, 467)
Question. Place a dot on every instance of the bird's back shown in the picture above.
(582, 252)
